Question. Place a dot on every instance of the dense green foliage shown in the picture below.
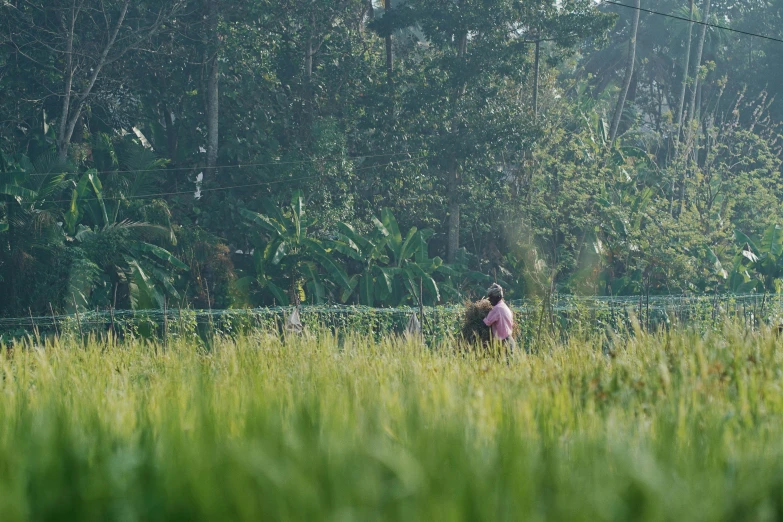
(670, 427)
(149, 151)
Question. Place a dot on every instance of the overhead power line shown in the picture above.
(167, 170)
(684, 19)
(233, 187)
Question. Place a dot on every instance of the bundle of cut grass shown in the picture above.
(473, 327)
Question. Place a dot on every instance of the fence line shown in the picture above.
(562, 314)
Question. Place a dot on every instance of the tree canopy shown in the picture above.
(222, 154)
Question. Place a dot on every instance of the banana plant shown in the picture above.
(458, 282)
(410, 262)
(623, 209)
(758, 266)
(376, 280)
(286, 256)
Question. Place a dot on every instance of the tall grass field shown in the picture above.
(673, 426)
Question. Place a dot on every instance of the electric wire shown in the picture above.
(233, 187)
(220, 167)
(684, 19)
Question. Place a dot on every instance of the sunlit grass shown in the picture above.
(668, 427)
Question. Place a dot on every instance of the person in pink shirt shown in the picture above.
(500, 319)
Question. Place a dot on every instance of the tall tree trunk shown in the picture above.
(309, 52)
(453, 186)
(74, 114)
(659, 115)
(368, 13)
(694, 93)
(172, 136)
(12, 256)
(633, 90)
(62, 145)
(309, 102)
(680, 115)
(454, 214)
(213, 86)
(685, 73)
(536, 80)
(389, 48)
(618, 112)
(699, 54)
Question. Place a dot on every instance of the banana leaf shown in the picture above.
(716, 264)
(280, 252)
(269, 225)
(143, 294)
(348, 292)
(280, 295)
(97, 188)
(422, 248)
(386, 281)
(366, 290)
(161, 253)
(743, 239)
(317, 288)
(408, 247)
(349, 249)
(297, 203)
(395, 238)
(772, 242)
(165, 279)
(428, 282)
(273, 212)
(15, 191)
(323, 258)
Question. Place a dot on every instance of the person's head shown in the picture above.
(495, 294)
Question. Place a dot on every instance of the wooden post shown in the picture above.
(54, 321)
(641, 314)
(540, 320)
(78, 318)
(113, 326)
(35, 328)
(209, 307)
(421, 305)
(165, 322)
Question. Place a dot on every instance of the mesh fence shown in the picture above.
(561, 316)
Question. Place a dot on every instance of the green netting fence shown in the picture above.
(561, 316)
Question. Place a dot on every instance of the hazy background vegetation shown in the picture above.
(568, 147)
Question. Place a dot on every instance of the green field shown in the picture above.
(667, 427)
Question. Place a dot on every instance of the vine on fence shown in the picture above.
(567, 315)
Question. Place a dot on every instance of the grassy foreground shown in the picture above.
(684, 427)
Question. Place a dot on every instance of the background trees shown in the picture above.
(547, 145)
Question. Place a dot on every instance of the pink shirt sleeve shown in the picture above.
(492, 316)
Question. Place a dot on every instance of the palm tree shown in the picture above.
(28, 229)
(124, 251)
